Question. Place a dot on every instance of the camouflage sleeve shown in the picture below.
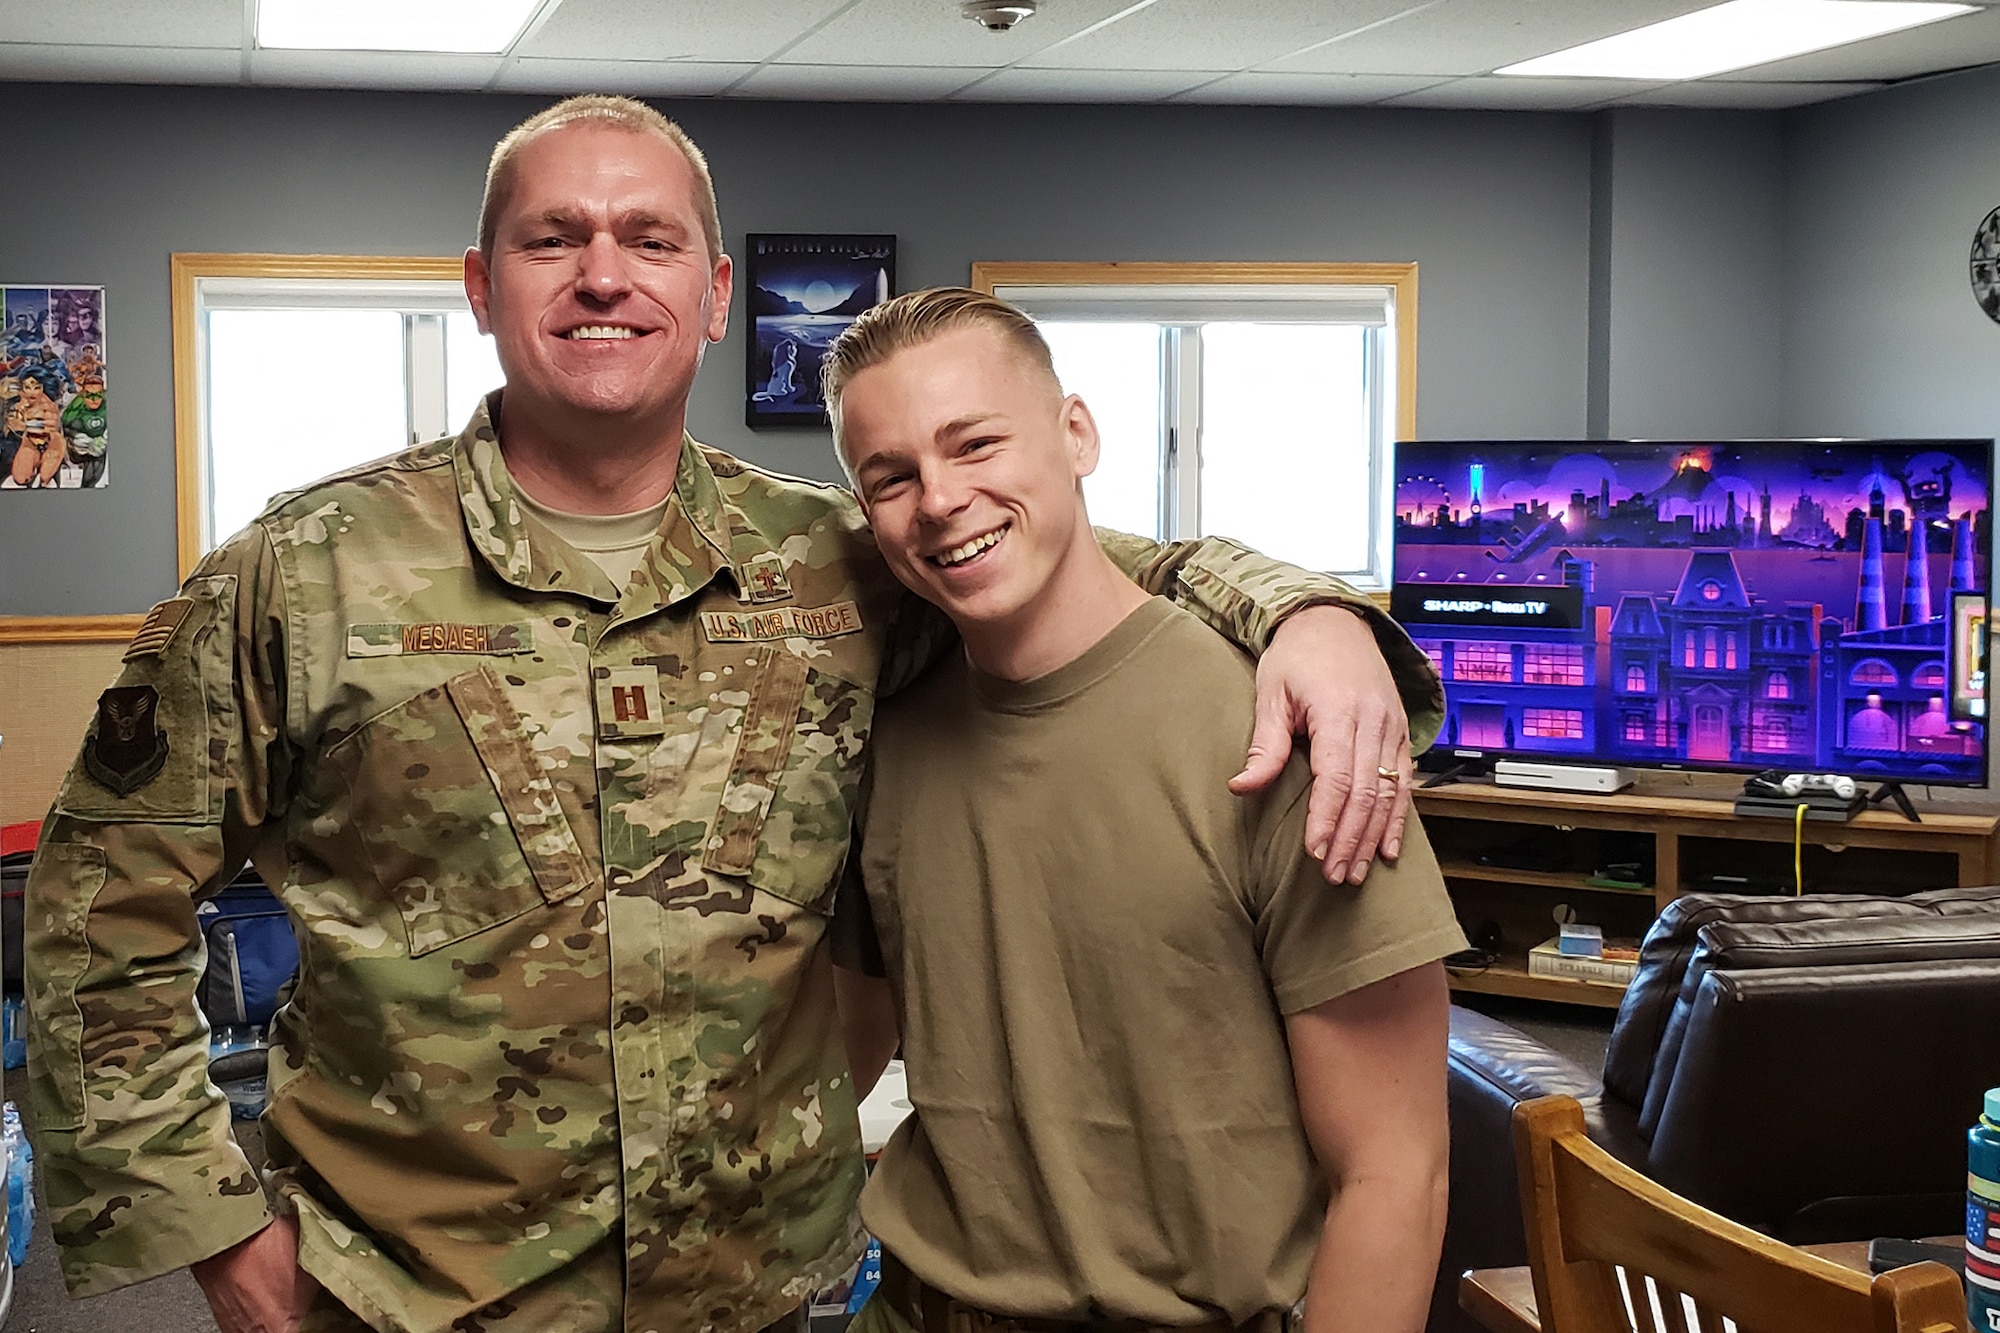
(919, 636)
(1243, 596)
(182, 763)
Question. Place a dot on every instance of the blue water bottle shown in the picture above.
(20, 1184)
(1982, 1220)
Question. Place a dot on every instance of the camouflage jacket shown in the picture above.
(559, 860)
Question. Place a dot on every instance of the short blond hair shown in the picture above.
(915, 318)
(623, 113)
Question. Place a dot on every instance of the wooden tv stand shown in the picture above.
(1511, 857)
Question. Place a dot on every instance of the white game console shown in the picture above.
(1562, 777)
(1836, 784)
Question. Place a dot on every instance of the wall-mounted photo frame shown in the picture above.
(802, 290)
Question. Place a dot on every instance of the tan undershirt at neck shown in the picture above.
(615, 543)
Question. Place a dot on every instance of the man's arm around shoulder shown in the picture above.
(1370, 1071)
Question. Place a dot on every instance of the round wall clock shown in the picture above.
(1986, 265)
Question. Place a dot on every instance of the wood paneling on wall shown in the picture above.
(52, 689)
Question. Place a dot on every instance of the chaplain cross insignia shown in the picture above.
(767, 579)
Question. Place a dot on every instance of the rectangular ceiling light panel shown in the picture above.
(1736, 35)
(473, 27)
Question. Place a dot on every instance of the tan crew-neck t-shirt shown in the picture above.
(1092, 945)
(615, 543)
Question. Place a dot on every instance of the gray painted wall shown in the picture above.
(1693, 315)
(1494, 207)
(1881, 334)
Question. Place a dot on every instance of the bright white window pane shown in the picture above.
(471, 370)
(1115, 369)
(1284, 443)
(294, 395)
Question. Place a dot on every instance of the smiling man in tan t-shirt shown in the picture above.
(1164, 1075)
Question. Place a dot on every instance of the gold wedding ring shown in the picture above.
(1389, 774)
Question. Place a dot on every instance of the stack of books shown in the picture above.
(1614, 967)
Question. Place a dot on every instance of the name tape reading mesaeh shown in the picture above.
(396, 640)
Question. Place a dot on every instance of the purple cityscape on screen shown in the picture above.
(1748, 605)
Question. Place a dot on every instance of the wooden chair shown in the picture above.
(1599, 1232)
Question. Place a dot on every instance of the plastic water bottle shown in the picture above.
(20, 1185)
(866, 1278)
(1982, 1220)
(13, 1034)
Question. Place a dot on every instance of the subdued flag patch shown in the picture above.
(158, 629)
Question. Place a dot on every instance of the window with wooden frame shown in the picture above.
(290, 367)
(1253, 401)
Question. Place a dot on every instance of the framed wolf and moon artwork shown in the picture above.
(802, 291)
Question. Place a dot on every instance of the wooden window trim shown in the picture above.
(184, 271)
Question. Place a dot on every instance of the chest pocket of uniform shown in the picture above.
(462, 827)
(788, 801)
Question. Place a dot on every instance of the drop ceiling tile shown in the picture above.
(1274, 89)
(854, 83)
(372, 69)
(35, 62)
(1497, 93)
(634, 78)
(198, 23)
(931, 32)
(1083, 85)
(675, 29)
(1972, 39)
(1479, 36)
(1746, 96)
(1185, 34)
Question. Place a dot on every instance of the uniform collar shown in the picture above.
(693, 546)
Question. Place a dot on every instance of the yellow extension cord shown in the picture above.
(1798, 852)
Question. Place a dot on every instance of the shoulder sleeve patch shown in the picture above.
(129, 747)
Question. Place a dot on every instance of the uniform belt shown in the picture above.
(933, 1311)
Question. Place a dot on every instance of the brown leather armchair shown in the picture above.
(1805, 1066)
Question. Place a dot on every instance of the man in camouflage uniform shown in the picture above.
(558, 845)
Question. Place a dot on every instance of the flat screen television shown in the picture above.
(1803, 605)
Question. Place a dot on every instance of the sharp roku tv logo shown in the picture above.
(1544, 608)
(1494, 606)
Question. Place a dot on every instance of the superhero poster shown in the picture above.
(52, 409)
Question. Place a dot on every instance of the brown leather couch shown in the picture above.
(1806, 1066)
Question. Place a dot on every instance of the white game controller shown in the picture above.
(1795, 783)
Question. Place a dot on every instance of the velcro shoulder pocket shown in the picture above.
(158, 749)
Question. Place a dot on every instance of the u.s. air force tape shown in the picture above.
(781, 622)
